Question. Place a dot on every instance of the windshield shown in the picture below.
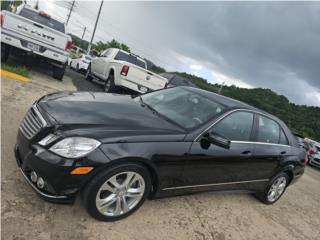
(182, 106)
(47, 21)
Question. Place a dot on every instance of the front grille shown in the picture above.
(32, 123)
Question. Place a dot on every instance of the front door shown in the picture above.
(217, 168)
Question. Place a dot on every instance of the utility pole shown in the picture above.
(220, 89)
(71, 8)
(95, 27)
(84, 32)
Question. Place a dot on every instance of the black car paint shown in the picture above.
(129, 131)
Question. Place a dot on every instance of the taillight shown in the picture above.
(69, 44)
(124, 70)
(1, 19)
(44, 14)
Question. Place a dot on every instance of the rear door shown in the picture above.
(271, 146)
(37, 26)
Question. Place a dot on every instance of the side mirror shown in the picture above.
(217, 140)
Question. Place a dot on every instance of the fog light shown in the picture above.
(33, 176)
(40, 183)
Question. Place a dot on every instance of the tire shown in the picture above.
(5, 50)
(94, 197)
(109, 85)
(266, 195)
(88, 74)
(58, 72)
(77, 67)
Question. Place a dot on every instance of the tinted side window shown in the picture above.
(283, 139)
(237, 126)
(268, 130)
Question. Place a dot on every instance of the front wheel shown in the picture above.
(275, 189)
(117, 192)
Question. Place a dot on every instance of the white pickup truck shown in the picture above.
(30, 31)
(116, 68)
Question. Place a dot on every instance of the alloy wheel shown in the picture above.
(120, 193)
(276, 189)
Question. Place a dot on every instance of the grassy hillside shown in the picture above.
(301, 119)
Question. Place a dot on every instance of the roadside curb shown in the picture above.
(4, 73)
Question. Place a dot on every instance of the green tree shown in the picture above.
(100, 46)
(7, 5)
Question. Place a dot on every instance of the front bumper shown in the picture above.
(60, 185)
(48, 193)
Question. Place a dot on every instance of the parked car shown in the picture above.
(80, 63)
(168, 142)
(30, 31)
(176, 80)
(116, 68)
(314, 158)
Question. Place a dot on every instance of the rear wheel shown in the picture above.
(5, 50)
(275, 189)
(117, 192)
(109, 86)
(88, 74)
(58, 72)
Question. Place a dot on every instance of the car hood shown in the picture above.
(106, 116)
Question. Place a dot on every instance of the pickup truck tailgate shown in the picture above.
(145, 78)
(33, 30)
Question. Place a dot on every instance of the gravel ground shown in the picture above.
(204, 216)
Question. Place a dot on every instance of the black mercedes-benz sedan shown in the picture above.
(118, 150)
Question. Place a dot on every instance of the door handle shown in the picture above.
(283, 153)
(246, 153)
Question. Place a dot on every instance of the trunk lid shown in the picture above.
(145, 77)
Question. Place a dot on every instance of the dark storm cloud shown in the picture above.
(270, 44)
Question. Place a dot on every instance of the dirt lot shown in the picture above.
(205, 216)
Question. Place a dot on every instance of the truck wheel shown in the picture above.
(58, 73)
(88, 74)
(109, 86)
(5, 50)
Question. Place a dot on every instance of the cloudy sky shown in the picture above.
(272, 45)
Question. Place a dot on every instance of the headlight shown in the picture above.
(75, 147)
